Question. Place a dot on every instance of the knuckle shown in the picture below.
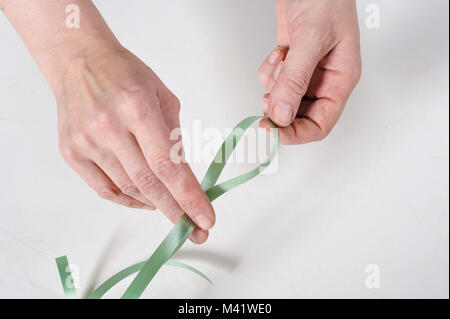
(190, 203)
(136, 103)
(147, 182)
(322, 134)
(174, 102)
(296, 83)
(68, 153)
(159, 193)
(260, 73)
(103, 122)
(138, 112)
(357, 72)
(165, 168)
(262, 76)
(186, 187)
(108, 192)
(82, 140)
(134, 204)
(129, 189)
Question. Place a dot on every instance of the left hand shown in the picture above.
(310, 75)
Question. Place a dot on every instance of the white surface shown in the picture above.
(374, 192)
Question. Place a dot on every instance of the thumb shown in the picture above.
(292, 83)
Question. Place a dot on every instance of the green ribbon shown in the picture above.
(183, 228)
(66, 276)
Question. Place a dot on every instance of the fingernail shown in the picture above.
(274, 55)
(265, 105)
(283, 113)
(277, 71)
(204, 222)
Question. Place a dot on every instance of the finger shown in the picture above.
(134, 163)
(114, 170)
(318, 119)
(177, 177)
(179, 180)
(266, 70)
(96, 179)
(293, 80)
(172, 119)
(132, 160)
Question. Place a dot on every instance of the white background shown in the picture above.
(374, 192)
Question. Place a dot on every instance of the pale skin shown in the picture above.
(115, 115)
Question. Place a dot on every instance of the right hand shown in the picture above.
(115, 117)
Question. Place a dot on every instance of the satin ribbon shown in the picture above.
(183, 228)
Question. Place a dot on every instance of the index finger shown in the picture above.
(154, 141)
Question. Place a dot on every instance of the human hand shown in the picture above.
(115, 117)
(310, 75)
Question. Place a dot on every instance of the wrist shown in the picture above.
(64, 61)
(54, 45)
